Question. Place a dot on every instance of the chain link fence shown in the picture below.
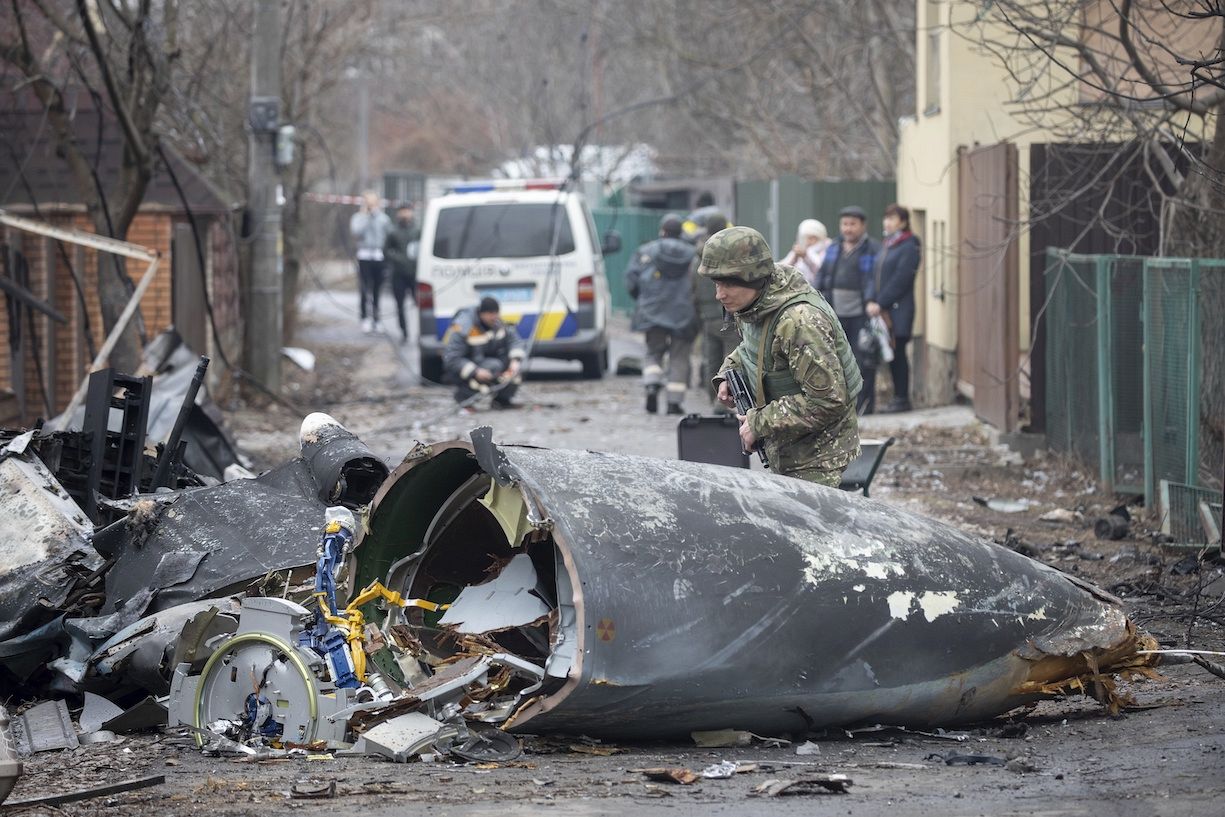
(1133, 368)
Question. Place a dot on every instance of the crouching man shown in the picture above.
(793, 355)
(483, 355)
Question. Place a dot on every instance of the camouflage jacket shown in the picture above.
(815, 428)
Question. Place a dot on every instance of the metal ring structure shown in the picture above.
(258, 638)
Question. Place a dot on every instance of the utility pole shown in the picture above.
(264, 318)
(363, 124)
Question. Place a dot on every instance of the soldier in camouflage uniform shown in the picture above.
(794, 355)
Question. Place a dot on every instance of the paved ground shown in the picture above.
(1073, 760)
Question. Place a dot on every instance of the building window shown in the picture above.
(937, 258)
(931, 95)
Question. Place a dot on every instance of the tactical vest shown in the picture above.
(778, 383)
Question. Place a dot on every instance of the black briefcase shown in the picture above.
(711, 438)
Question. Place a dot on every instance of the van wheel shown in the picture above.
(431, 369)
(595, 364)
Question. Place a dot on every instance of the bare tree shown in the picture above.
(122, 54)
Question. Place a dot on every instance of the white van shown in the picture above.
(530, 245)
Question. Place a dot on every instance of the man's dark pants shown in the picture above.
(403, 286)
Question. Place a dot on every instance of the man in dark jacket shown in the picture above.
(660, 282)
(846, 281)
(896, 267)
(483, 355)
(401, 254)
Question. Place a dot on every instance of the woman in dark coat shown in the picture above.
(896, 267)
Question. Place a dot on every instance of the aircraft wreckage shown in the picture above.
(514, 589)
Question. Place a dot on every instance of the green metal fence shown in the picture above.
(1124, 357)
(798, 199)
(636, 226)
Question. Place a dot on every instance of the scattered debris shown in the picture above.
(685, 777)
(312, 790)
(87, 794)
(1012, 729)
(726, 738)
(96, 711)
(1020, 765)
(44, 727)
(811, 784)
(1004, 505)
(1111, 526)
(1060, 516)
(968, 760)
(599, 751)
(725, 770)
(808, 748)
(148, 713)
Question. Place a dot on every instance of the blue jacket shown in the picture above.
(867, 264)
(896, 274)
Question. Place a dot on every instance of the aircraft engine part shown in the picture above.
(259, 682)
(346, 471)
(686, 597)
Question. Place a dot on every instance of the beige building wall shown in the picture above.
(965, 99)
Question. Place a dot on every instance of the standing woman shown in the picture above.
(896, 267)
(811, 242)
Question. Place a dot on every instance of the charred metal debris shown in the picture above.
(479, 591)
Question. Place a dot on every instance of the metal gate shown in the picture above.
(988, 343)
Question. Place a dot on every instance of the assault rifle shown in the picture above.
(742, 395)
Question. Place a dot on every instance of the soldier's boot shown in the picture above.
(652, 399)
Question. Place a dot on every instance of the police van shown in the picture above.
(531, 245)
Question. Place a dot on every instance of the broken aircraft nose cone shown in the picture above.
(664, 597)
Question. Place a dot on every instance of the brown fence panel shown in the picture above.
(988, 343)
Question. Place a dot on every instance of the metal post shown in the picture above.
(1193, 373)
(363, 125)
(774, 217)
(1150, 498)
(171, 450)
(1105, 377)
(264, 318)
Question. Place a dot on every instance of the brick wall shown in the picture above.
(61, 349)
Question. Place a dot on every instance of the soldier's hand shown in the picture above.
(873, 309)
(483, 375)
(747, 438)
(725, 395)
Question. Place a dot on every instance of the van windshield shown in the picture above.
(503, 231)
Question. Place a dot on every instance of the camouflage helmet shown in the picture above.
(740, 253)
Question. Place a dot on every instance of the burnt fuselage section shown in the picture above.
(671, 596)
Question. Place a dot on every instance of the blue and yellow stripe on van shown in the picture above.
(554, 324)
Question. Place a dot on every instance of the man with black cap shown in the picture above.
(661, 283)
(483, 355)
(846, 280)
(793, 355)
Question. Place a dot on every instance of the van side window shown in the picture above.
(502, 231)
